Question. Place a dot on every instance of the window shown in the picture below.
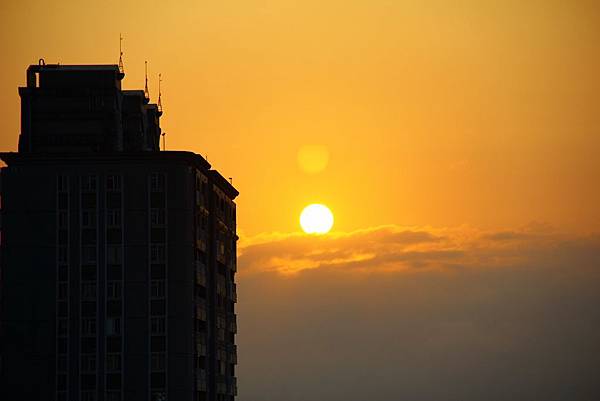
(113, 217)
(157, 325)
(88, 254)
(157, 253)
(88, 326)
(113, 183)
(61, 381)
(113, 362)
(62, 327)
(157, 182)
(88, 218)
(113, 290)
(200, 311)
(88, 291)
(88, 396)
(88, 183)
(113, 326)
(157, 362)
(158, 396)
(62, 289)
(62, 254)
(63, 219)
(157, 289)
(157, 217)
(114, 255)
(113, 396)
(88, 362)
(62, 183)
(61, 363)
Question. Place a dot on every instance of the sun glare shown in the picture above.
(316, 219)
(313, 158)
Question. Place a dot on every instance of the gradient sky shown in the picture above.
(435, 113)
(472, 123)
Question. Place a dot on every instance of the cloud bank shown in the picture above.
(420, 314)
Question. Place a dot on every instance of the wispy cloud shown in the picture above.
(420, 314)
(395, 248)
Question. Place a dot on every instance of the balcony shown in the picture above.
(221, 385)
(221, 354)
(232, 291)
(233, 354)
(233, 389)
(201, 310)
(201, 244)
(220, 321)
(200, 274)
(201, 346)
(233, 323)
(221, 286)
(201, 380)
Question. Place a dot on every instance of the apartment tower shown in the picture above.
(117, 259)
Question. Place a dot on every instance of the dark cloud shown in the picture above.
(419, 314)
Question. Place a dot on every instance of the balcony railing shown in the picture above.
(221, 286)
(233, 355)
(232, 287)
(201, 380)
(200, 310)
(201, 346)
(234, 388)
(200, 274)
(221, 385)
(233, 323)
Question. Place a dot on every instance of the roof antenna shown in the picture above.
(146, 92)
(159, 103)
(164, 141)
(121, 68)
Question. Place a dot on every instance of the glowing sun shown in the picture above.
(316, 219)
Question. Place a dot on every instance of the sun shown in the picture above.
(316, 219)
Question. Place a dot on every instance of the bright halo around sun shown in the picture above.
(316, 219)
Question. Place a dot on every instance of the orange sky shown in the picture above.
(463, 171)
(434, 113)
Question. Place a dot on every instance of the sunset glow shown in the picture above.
(454, 145)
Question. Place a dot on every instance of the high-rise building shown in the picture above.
(118, 260)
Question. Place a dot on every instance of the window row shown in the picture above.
(88, 290)
(89, 326)
(89, 183)
(157, 182)
(89, 218)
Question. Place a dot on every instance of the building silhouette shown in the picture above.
(117, 259)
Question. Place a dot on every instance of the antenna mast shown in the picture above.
(164, 141)
(121, 68)
(159, 103)
(146, 92)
